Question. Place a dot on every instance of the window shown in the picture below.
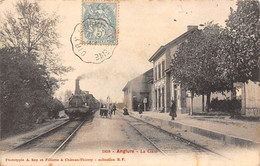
(159, 71)
(155, 73)
(155, 98)
(159, 99)
(163, 68)
(163, 97)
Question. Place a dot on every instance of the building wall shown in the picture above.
(137, 89)
(159, 84)
(166, 84)
(128, 98)
(171, 92)
(179, 96)
(250, 98)
(150, 99)
(197, 101)
(176, 92)
(172, 51)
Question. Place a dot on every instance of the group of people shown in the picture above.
(107, 110)
(172, 113)
(111, 109)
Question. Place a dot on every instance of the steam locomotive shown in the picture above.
(81, 104)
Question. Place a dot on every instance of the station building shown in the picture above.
(156, 86)
(139, 90)
(164, 90)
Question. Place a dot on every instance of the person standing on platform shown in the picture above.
(173, 110)
(114, 109)
(140, 108)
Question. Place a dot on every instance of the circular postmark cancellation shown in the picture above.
(92, 53)
(95, 38)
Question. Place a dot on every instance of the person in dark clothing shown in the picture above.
(114, 109)
(125, 111)
(173, 110)
(101, 112)
(140, 108)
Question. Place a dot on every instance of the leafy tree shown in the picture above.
(195, 63)
(25, 90)
(54, 107)
(239, 53)
(28, 65)
(213, 59)
(33, 32)
(67, 95)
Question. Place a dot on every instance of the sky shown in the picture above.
(143, 25)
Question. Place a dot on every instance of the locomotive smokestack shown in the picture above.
(77, 89)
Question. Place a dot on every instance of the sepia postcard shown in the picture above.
(129, 82)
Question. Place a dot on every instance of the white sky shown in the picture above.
(143, 27)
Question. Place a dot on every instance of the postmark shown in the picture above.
(95, 39)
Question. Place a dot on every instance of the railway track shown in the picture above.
(52, 141)
(165, 142)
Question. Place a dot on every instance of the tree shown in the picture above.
(54, 107)
(195, 63)
(213, 59)
(25, 91)
(239, 53)
(33, 33)
(67, 96)
(29, 66)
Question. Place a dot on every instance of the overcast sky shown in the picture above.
(143, 27)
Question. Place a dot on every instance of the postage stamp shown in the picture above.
(95, 38)
(99, 22)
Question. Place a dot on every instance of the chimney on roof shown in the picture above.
(190, 27)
